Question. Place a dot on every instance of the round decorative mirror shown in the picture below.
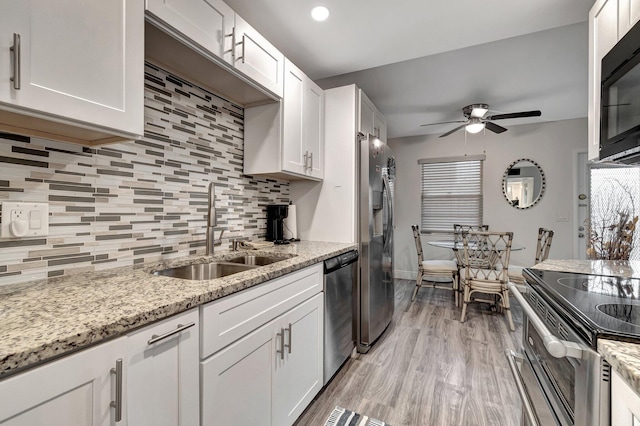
(523, 183)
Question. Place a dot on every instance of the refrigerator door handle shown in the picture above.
(387, 191)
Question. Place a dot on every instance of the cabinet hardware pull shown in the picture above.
(15, 51)
(281, 351)
(155, 338)
(311, 162)
(117, 404)
(233, 39)
(289, 345)
(242, 43)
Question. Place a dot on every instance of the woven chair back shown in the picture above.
(486, 256)
(458, 230)
(544, 244)
(416, 237)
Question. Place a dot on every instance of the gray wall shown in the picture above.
(553, 145)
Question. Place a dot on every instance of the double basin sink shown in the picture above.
(219, 269)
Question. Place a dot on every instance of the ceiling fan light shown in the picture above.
(475, 125)
(479, 111)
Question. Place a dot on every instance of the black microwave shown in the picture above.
(620, 100)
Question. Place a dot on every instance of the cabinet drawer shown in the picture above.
(226, 320)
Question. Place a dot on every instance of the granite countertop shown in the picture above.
(624, 357)
(43, 319)
(616, 268)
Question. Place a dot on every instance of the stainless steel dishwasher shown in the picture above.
(340, 273)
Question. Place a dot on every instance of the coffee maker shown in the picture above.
(276, 213)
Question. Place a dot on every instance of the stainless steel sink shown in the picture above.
(205, 271)
(256, 260)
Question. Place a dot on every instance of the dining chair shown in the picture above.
(545, 236)
(489, 275)
(458, 231)
(432, 270)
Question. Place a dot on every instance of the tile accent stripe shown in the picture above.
(137, 201)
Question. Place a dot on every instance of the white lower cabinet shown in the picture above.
(269, 375)
(162, 377)
(77, 390)
(625, 402)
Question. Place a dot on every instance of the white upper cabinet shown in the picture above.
(208, 23)
(367, 115)
(256, 58)
(371, 121)
(629, 14)
(603, 35)
(380, 126)
(286, 140)
(77, 390)
(79, 63)
(303, 124)
(163, 373)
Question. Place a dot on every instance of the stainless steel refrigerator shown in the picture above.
(375, 289)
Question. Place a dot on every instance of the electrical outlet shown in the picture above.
(23, 220)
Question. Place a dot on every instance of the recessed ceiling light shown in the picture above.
(320, 13)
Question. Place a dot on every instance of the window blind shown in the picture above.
(451, 193)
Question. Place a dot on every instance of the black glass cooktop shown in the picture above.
(596, 305)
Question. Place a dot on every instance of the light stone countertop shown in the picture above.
(44, 319)
(624, 357)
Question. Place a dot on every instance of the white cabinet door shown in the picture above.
(367, 112)
(294, 153)
(628, 15)
(257, 58)
(163, 376)
(298, 377)
(313, 125)
(80, 60)
(625, 402)
(380, 126)
(603, 35)
(237, 381)
(208, 23)
(76, 390)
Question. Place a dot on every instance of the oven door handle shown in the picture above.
(524, 396)
(556, 347)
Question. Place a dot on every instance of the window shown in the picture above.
(451, 190)
(615, 200)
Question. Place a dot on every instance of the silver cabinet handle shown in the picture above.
(289, 345)
(117, 404)
(15, 51)
(311, 161)
(281, 336)
(556, 347)
(155, 338)
(242, 43)
(526, 402)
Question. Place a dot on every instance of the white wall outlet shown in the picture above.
(23, 219)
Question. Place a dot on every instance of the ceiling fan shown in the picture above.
(476, 119)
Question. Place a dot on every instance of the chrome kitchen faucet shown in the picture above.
(212, 221)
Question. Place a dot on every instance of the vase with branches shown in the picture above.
(613, 221)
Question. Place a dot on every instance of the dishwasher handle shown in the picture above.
(340, 261)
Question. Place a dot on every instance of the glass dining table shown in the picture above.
(458, 246)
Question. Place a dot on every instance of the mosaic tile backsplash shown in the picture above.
(139, 201)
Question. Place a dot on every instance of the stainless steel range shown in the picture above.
(560, 376)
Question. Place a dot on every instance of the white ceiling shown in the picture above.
(508, 67)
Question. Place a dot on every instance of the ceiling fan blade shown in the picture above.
(514, 115)
(454, 130)
(444, 122)
(494, 127)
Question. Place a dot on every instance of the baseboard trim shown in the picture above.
(405, 275)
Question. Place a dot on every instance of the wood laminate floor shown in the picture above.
(430, 369)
